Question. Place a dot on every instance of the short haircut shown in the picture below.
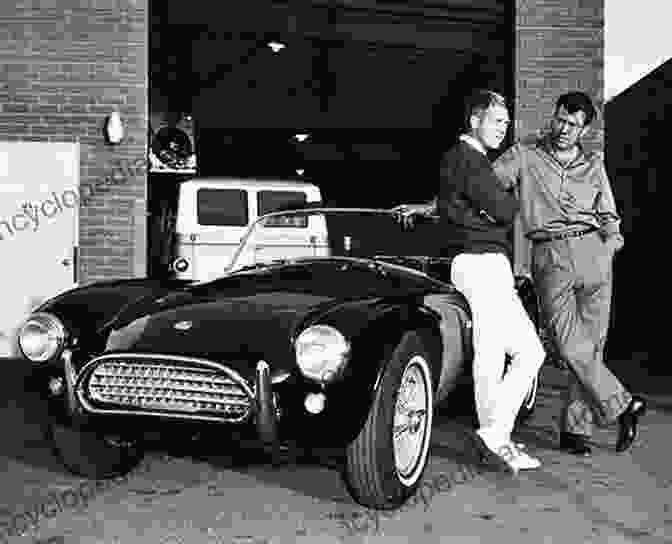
(577, 101)
(479, 101)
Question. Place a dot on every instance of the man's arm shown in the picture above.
(486, 194)
(607, 215)
(426, 208)
(507, 167)
(407, 212)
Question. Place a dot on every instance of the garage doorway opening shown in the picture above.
(358, 99)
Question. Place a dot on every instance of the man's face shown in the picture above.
(567, 128)
(490, 127)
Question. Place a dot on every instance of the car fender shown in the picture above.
(426, 321)
(351, 398)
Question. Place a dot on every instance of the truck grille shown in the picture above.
(138, 383)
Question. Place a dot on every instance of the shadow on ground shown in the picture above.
(314, 474)
(23, 414)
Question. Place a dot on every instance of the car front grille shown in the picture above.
(178, 386)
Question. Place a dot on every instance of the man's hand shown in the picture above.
(485, 215)
(406, 213)
(614, 244)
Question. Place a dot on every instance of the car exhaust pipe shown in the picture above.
(266, 418)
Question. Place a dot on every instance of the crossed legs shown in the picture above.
(500, 326)
(573, 280)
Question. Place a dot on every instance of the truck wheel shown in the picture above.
(92, 455)
(386, 461)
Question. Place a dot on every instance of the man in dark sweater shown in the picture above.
(478, 215)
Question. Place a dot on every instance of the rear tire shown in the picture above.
(386, 461)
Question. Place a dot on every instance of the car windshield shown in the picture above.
(332, 232)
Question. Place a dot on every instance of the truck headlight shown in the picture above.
(321, 352)
(180, 265)
(42, 337)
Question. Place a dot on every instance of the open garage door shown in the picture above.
(387, 76)
(377, 87)
(39, 200)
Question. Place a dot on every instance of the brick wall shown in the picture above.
(64, 66)
(559, 47)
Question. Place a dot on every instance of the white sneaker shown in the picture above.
(518, 459)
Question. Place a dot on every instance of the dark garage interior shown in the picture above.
(377, 86)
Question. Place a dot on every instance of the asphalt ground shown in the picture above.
(198, 492)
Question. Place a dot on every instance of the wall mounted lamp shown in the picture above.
(113, 128)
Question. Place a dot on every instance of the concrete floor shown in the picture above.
(212, 497)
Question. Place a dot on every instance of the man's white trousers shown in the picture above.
(500, 326)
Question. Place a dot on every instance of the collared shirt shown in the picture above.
(558, 198)
(473, 142)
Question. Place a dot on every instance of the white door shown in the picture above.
(39, 188)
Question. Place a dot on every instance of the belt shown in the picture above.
(563, 235)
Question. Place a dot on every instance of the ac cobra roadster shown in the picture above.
(317, 333)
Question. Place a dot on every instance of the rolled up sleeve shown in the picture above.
(507, 167)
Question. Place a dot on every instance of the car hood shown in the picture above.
(89, 309)
(255, 313)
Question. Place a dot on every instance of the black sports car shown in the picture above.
(317, 333)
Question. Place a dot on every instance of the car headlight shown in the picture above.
(321, 352)
(41, 337)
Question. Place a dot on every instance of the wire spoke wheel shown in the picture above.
(410, 418)
(386, 461)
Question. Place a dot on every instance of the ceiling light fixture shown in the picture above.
(301, 137)
(300, 171)
(276, 46)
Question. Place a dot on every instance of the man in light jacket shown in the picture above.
(569, 215)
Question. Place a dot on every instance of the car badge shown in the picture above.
(183, 325)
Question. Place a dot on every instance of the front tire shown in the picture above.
(386, 461)
(89, 454)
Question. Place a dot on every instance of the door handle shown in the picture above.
(66, 262)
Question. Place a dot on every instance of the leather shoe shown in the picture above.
(628, 423)
(576, 444)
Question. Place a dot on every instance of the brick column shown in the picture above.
(559, 48)
(65, 65)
